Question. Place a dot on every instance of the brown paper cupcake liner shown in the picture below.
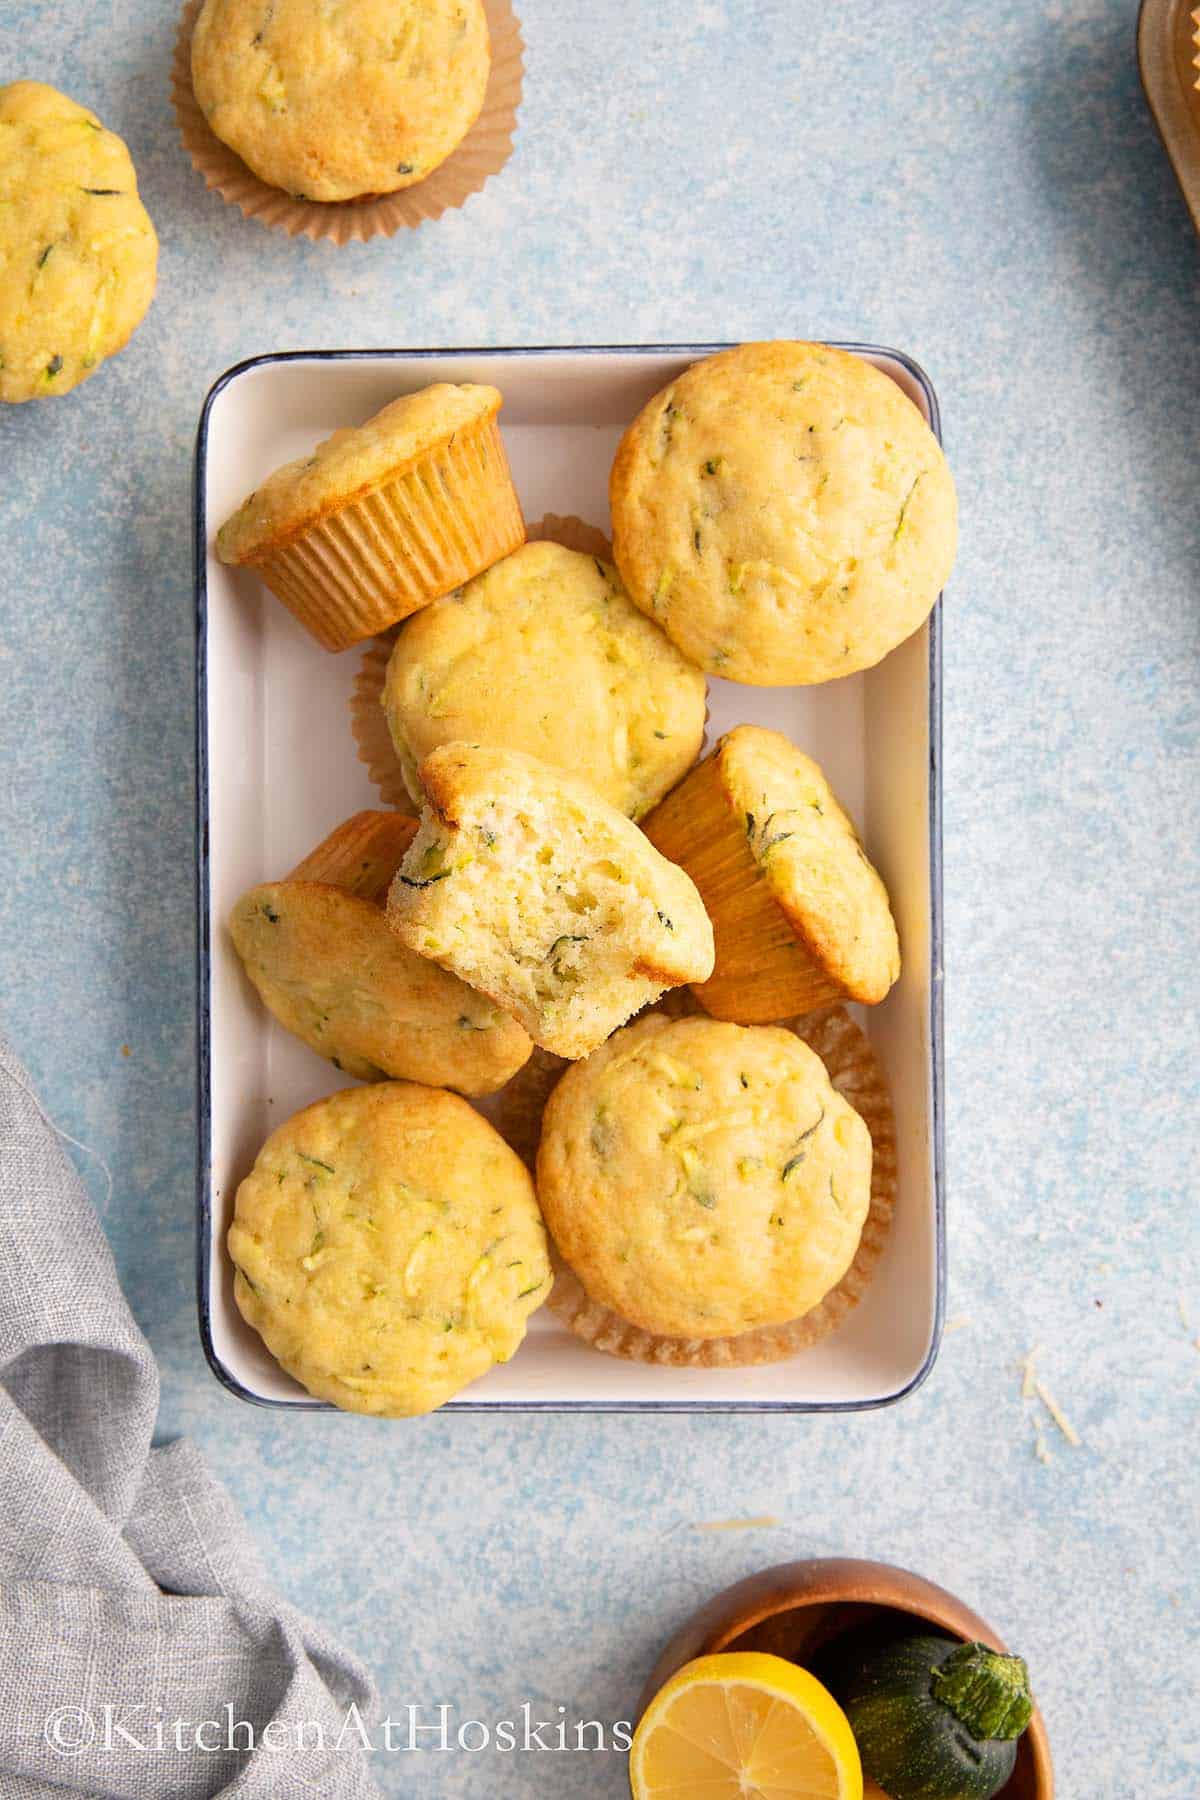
(518, 1107)
(855, 1072)
(763, 970)
(676, 1003)
(379, 558)
(482, 153)
(368, 721)
(361, 856)
(573, 534)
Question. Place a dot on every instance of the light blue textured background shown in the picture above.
(981, 185)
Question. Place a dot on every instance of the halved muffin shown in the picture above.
(531, 888)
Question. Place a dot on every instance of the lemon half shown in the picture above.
(744, 1726)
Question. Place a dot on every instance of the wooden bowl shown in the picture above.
(798, 1609)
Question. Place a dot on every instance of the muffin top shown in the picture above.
(546, 653)
(327, 966)
(809, 853)
(703, 1178)
(784, 512)
(349, 464)
(534, 890)
(388, 1248)
(78, 254)
(333, 102)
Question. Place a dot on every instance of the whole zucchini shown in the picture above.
(937, 1720)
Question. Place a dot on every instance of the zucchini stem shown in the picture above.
(986, 1692)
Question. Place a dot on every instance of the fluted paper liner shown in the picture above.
(368, 720)
(573, 534)
(517, 1109)
(855, 1073)
(482, 153)
(361, 855)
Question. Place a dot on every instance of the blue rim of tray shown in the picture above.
(204, 1218)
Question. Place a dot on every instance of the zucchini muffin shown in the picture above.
(784, 512)
(333, 103)
(383, 517)
(546, 653)
(528, 886)
(388, 1248)
(704, 1179)
(318, 949)
(856, 1074)
(800, 917)
(78, 254)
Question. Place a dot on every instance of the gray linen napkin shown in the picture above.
(131, 1595)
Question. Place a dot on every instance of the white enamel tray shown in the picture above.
(277, 770)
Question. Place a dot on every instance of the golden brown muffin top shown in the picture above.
(333, 102)
(784, 512)
(388, 1247)
(702, 1178)
(812, 858)
(327, 966)
(546, 653)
